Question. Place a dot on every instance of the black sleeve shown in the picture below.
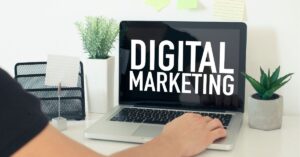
(21, 118)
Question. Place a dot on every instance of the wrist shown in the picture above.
(168, 145)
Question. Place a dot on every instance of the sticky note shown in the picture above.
(158, 4)
(187, 4)
(63, 70)
(229, 9)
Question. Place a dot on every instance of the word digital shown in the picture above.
(162, 73)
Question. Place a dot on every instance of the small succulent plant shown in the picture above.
(268, 84)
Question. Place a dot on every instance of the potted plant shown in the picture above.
(98, 35)
(266, 107)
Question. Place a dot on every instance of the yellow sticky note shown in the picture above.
(187, 4)
(229, 9)
(158, 4)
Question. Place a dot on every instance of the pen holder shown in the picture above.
(31, 75)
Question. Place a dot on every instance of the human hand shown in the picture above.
(191, 133)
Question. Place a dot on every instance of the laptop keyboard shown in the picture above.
(154, 116)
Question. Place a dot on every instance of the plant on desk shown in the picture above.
(98, 35)
(266, 107)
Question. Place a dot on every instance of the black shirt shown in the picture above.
(21, 118)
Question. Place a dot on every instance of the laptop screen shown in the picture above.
(186, 65)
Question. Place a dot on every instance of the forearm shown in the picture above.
(50, 143)
(157, 147)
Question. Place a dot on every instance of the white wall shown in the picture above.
(31, 29)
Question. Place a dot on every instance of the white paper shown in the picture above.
(62, 69)
(229, 9)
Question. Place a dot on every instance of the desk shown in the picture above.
(251, 143)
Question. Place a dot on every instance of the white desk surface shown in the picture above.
(251, 143)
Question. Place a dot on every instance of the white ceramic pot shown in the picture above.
(99, 84)
(265, 114)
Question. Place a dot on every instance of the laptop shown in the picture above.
(170, 68)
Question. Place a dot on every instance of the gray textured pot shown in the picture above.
(265, 114)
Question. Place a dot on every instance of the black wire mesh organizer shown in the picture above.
(31, 75)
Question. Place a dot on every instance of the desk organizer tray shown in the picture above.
(31, 75)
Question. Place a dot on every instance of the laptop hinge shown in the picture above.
(177, 108)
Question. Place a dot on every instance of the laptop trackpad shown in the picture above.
(146, 130)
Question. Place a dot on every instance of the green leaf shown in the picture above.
(275, 75)
(255, 84)
(269, 93)
(264, 79)
(277, 82)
